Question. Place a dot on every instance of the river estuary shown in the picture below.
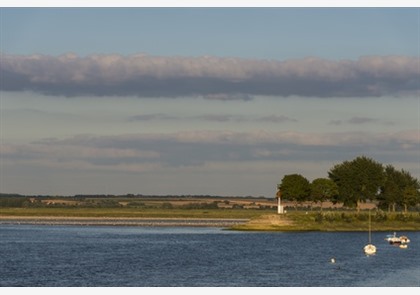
(173, 256)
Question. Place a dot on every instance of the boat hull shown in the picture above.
(394, 240)
(369, 249)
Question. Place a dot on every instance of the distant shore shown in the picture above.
(242, 220)
(113, 221)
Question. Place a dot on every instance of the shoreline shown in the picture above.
(264, 222)
(120, 221)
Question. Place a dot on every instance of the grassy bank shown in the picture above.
(333, 221)
(259, 220)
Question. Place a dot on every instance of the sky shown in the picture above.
(203, 100)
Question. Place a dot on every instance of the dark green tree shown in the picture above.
(389, 195)
(295, 188)
(399, 188)
(357, 180)
(392, 188)
(410, 191)
(410, 198)
(323, 189)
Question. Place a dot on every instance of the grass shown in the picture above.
(131, 212)
(334, 221)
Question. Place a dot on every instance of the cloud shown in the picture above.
(228, 96)
(209, 77)
(277, 119)
(361, 121)
(151, 117)
(221, 118)
(218, 118)
(150, 152)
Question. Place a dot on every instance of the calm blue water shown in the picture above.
(99, 256)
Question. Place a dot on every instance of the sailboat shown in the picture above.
(370, 249)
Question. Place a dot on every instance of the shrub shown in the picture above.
(380, 216)
(319, 217)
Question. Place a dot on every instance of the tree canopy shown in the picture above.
(323, 189)
(354, 182)
(399, 188)
(295, 187)
(358, 180)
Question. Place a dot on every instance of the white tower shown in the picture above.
(278, 196)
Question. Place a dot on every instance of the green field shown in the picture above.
(133, 212)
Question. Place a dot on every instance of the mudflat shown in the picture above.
(121, 221)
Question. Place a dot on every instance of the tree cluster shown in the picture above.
(354, 182)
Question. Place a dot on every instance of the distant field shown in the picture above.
(261, 212)
(135, 212)
(158, 201)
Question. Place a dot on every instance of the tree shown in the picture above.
(399, 188)
(323, 189)
(389, 195)
(295, 187)
(392, 188)
(410, 191)
(410, 197)
(358, 180)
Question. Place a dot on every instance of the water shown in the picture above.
(104, 256)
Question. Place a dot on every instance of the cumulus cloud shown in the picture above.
(209, 77)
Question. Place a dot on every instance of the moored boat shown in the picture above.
(394, 239)
(369, 249)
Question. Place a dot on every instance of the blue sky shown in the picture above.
(220, 101)
(263, 33)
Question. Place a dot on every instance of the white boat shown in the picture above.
(404, 240)
(369, 249)
(392, 238)
(395, 240)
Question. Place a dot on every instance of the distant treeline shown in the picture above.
(13, 200)
(352, 183)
